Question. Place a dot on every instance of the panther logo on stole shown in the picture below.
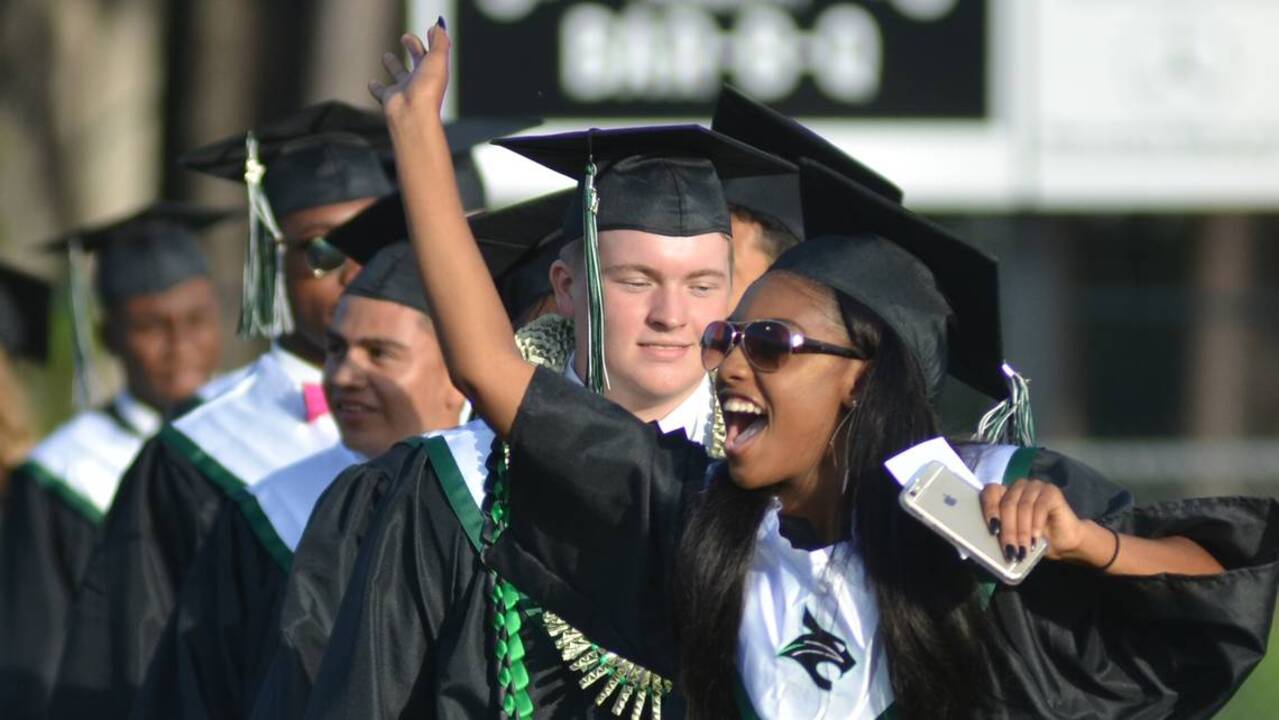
(816, 648)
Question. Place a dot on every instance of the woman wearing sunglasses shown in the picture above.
(786, 580)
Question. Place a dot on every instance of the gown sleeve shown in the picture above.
(212, 655)
(163, 507)
(44, 547)
(596, 502)
(407, 629)
(1080, 644)
(322, 566)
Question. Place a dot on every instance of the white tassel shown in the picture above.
(1011, 421)
(264, 305)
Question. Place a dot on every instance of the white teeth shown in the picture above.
(738, 405)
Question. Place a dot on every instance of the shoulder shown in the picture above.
(88, 454)
(254, 427)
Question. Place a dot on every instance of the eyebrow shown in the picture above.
(652, 272)
(381, 341)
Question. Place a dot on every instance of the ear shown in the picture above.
(850, 384)
(562, 286)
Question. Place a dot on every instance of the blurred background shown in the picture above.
(1121, 157)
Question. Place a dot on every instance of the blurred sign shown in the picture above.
(635, 58)
(967, 104)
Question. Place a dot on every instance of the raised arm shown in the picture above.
(1031, 511)
(472, 326)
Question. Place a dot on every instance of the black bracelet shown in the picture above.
(1114, 557)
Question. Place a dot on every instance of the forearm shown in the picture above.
(1142, 556)
(472, 326)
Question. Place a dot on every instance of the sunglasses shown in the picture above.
(766, 343)
(321, 256)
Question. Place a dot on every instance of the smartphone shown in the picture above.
(951, 507)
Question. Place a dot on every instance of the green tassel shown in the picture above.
(264, 306)
(597, 369)
(85, 390)
(1011, 421)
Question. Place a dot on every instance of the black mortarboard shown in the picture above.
(937, 292)
(777, 197)
(391, 275)
(523, 240)
(666, 180)
(323, 154)
(507, 238)
(146, 252)
(24, 314)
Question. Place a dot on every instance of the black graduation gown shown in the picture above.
(414, 636)
(216, 645)
(162, 509)
(46, 538)
(1080, 644)
(322, 565)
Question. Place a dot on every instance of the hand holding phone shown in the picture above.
(951, 507)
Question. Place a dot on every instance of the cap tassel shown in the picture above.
(1011, 421)
(597, 370)
(264, 306)
(85, 383)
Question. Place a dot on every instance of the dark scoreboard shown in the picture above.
(913, 59)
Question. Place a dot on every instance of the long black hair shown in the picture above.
(930, 614)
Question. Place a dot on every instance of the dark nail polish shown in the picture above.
(443, 25)
(1021, 553)
(1033, 541)
(994, 526)
(1010, 552)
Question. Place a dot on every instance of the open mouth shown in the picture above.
(744, 420)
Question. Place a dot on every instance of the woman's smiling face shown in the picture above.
(779, 424)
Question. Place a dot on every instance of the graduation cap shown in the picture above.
(24, 314)
(509, 239)
(665, 180)
(391, 275)
(937, 292)
(777, 197)
(321, 155)
(146, 252)
(143, 253)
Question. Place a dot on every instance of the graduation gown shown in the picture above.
(220, 636)
(414, 634)
(52, 520)
(165, 506)
(1080, 644)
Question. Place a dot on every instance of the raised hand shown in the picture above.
(420, 90)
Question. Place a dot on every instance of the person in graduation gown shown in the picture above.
(786, 579)
(161, 320)
(512, 239)
(312, 170)
(385, 380)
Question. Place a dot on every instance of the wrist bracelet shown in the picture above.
(1114, 557)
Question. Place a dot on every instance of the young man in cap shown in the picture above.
(513, 241)
(385, 380)
(161, 320)
(653, 260)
